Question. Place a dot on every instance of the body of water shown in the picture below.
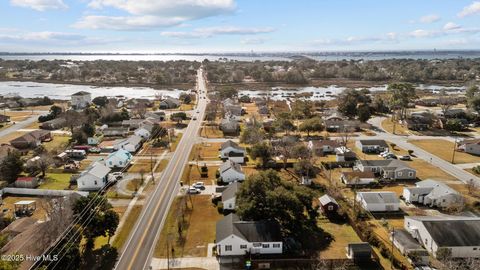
(63, 91)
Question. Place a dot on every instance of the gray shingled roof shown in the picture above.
(381, 143)
(230, 191)
(379, 197)
(251, 231)
(454, 233)
(230, 143)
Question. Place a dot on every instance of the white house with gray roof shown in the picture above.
(232, 151)
(371, 146)
(457, 235)
(382, 201)
(432, 193)
(231, 172)
(229, 196)
(94, 178)
(131, 144)
(80, 100)
(144, 131)
(236, 238)
(392, 169)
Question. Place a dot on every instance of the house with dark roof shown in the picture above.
(4, 118)
(458, 236)
(372, 146)
(234, 112)
(231, 172)
(31, 139)
(5, 149)
(391, 169)
(229, 126)
(115, 132)
(359, 252)
(432, 193)
(169, 103)
(56, 123)
(232, 151)
(382, 201)
(80, 100)
(229, 196)
(237, 238)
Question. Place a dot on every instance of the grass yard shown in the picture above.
(58, 181)
(175, 142)
(211, 132)
(342, 235)
(191, 174)
(18, 116)
(205, 151)
(57, 143)
(141, 164)
(444, 150)
(387, 125)
(124, 232)
(198, 228)
(163, 164)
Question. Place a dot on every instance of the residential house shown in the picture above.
(470, 146)
(342, 125)
(432, 193)
(231, 151)
(228, 102)
(357, 178)
(237, 238)
(323, 147)
(372, 146)
(156, 116)
(81, 100)
(229, 196)
(4, 118)
(118, 159)
(115, 132)
(93, 140)
(391, 169)
(381, 201)
(359, 252)
(231, 172)
(136, 102)
(144, 131)
(229, 127)
(132, 124)
(132, 144)
(26, 182)
(234, 112)
(328, 204)
(458, 235)
(409, 247)
(31, 139)
(56, 123)
(169, 103)
(343, 153)
(94, 178)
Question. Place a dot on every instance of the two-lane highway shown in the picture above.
(137, 252)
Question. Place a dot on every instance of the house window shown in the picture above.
(243, 246)
(265, 245)
(257, 244)
(400, 174)
(330, 208)
(276, 245)
(110, 163)
(120, 162)
(95, 182)
(475, 248)
(228, 248)
(410, 174)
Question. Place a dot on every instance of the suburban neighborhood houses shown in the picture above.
(215, 176)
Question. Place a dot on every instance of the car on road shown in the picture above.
(192, 190)
(406, 157)
(194, 118)
(384, 154)
(199, 185)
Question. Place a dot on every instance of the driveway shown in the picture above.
(18, 125)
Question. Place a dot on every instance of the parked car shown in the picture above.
(199, 185)
(192, 190)
(390, 156)
(198, 111)
(406, 157)
(94, 150)
(384, 154)
(194, 118)
(116, 175)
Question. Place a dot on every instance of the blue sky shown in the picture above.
(237, 25)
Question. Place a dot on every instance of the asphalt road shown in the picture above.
(18, 125)
(137, 252)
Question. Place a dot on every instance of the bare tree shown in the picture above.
(445, 104)
(45, 161)
(472, 187)
(139, 110)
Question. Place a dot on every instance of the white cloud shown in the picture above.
(430, 18)
(420, 33)
(147, 14)
(253, 40)
(40, 5)
(451, 26)
(213, 31)
(54, 38)
(472, 9)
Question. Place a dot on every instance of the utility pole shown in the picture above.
(454, 148)
(393, 238)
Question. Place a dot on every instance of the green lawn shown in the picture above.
(123, 233)
(57, 181)
(57, 142)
